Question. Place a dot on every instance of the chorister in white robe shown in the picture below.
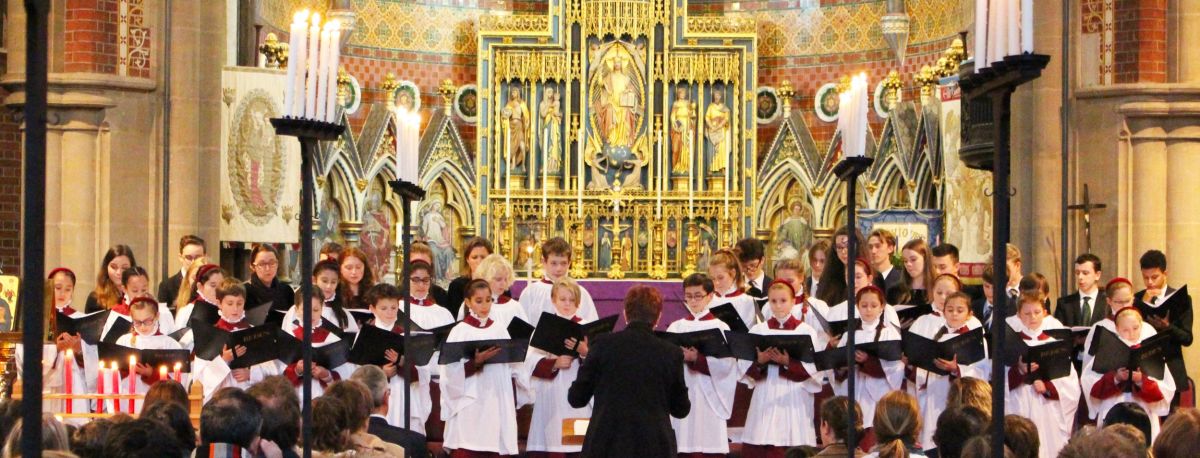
(932, 389)
(550, 407)
(153, 342)
(504, 309)
(480, 409)
(876, 377)
(806, 310)
(321, 336)
(536, 299)
(781, 406)
(328, 314)
(215, 374)
(166, 322)
(742, 302)
(711, 383)
(54, 369)
(1102, 391)
(426, 315)
(838, 313)
(1051, 413)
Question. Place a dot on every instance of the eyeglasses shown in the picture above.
(145, 323)
(420, 280)
(694, 297)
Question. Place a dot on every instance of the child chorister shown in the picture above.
(60, 287)
(711, 381)
(323, 333)
(781, 407)
(949, 319)
(863, 277)
(209, 278)
(550, 378)
(145, 335)
(498, 273)
(1049, 405)
(325, 278)
(874, 377)
(478, 401)
(726, 275)
(556, 261)
(137, 285)
(216, 374)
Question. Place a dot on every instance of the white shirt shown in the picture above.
(884, 273)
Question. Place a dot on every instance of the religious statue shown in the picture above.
(551, 113)
(683, 125)
(617, 97)
(795, 233)
(716, 122)
(516, 116)
(438, 236)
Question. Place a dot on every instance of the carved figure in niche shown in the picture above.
(551, 113)
(683, 131)
(716, 122)
(617, 97)
(516, 120)
(404, 99)
(606, 248)
(438, 236)
(795, 233)
(376, 240)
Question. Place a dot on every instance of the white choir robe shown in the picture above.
(838, 313)
(215, 374)
(781, 409)
(327, 314)
(504, 309)
(703, 430)
(342, 372)
(166, 321)
(480, 411)
(550, 405)
(536, 299)
(742, 302)
(426, 317)
(808, 315)
(154, 342)
(1160, 394)
(932, 389)
(83, 378)
(1053, 418)
(867, 389)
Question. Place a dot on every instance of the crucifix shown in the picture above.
(1086, 207)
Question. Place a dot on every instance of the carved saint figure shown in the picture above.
(551, 113)
(516, 116)
(716, 122)
(683, 125)
(618, 102)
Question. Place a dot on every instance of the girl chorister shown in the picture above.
(726, 274)
(863, 277)
(66, 350)
(108, 292)
(325, 277)
(323, 333)
(951, 317)
(136, 285)
(209, 278)
(216, 374)
(550, 378)
(711, 381)
(1049, 405)
(145, 334)
(498, 273)
(356, 278)
(874, 377)
(805, 308)
(478, 401)
(781, 407)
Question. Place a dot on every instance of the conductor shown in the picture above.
(637, 380)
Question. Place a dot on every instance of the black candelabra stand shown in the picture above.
(309, 132)
(409, 192)
(996, 84)
(848, 171)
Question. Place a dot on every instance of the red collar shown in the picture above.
(318, 335)
(422, 302)
(68, 311)
(962, 330)
(1042, 336)
(789, 324)
(122, 309)
(227, 326)
(546, 281)
(503, 299)
(735, 293)
(705, 317)
(474, 322)
(576, 319)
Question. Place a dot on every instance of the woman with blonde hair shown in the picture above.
(498, 273)
(897, 423)
(187, 290)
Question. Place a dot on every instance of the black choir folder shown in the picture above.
(832, 328)
(1112, 354)
(153, 358)
(1054, 358)
(203, 313)
(709, 342)
(519, 329)
(908, 313)
(372, 344)
(88, 327)
(262, 344)
(835, 358)
(745, 346)
(511, 350)
(329, 356)
(552, 332)
(922, 351)
(728, 314)
(439, 332)
(1171, 306)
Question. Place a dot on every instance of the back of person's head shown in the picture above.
(174, 416)
(88, 440)
(230, 417)
(981, 447)
(141, 438)
(749, 249)
(168, 391)
(331, 425)
(801, 451)
(1129, 413)
(970, 391)
(280, 411)
(1179, 436)
(1021, 436)
(372, 377)
(955, 426)
(643, 304)
(54, 436)
(897, 422)
(1103, 443)
(357, 399)
(10, 414)
(835, 412)
(1129, 432)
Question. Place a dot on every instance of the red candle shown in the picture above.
(116, 385)
(178, 373)
(100, 386)
(132, 382)
(68, 366)
(162, 372)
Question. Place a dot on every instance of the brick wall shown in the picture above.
(10, 188)
(90, 39)
(1140, 37)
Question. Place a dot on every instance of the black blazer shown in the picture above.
(278, 293)
(1180, 330)
(169, 288)
(413, 442)
(1069, 310)
(977, 312)
(759, 292)
(637, 381)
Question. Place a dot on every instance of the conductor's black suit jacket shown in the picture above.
(637, 381)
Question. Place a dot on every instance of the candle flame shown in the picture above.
(178, 366)
(316, 19)
(300, 16)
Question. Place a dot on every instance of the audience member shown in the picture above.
(231, 420)
(141, 438)
(377, 384)
(835, 413)
(331, 428)
(1132, 414)
(174, 416)
(954, 427)
(1020, 436)
(1131, 433)
(970, 391)
(981, 447)
(1104, 443)
(281, 413)
(88, 440)
(169, 390)
(1180, 435)
(897, 423)
(54, 437)
(358, 403)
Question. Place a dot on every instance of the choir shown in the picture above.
(478, 355)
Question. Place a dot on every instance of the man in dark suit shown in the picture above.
(191, 248)
(945, 261)
(637, 381)
(377, 383)
(881, 245)
(982, 308)
(1086, 306)
(1175, 320)
(750, 253)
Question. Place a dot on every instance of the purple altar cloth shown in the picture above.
(609, 296)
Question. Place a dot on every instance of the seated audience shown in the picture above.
(1020, 436)
(54, 436)
(174, 416)
(897, 423)
(169, 390)
(376, 382)
(1132, 414)
(835, 413)
(358, 408)
(1180, 435)
(141, 438)
(281, 413)
(231, 420)
(954, 427)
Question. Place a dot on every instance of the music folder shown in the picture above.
(120, 327)
(261, 344)
(1113, 354)
(835, 358)
(153, 358)
(728, 314)
(709, 342)
(1169, 307)
(745, 346)
(552, 332)
(912, 312)
(257, 315)
(361, 316)
(328, 356)
(1054, 358)
(519, 329)
(88, 327)
(922, 351)
(372, 345)
(511, 350)
(832, 328)
(203, 312)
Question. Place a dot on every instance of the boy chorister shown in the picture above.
(325, 277)
(725, 272)
(1049, 405)
(478, 401)
(1178, 320)
(750, 253)
(874, 377)
(551, 377)
(950, 318)
(216, 374)
(711, 381)
(323, 333)
(1106, 390)
(556, 262)
(145, 335)
(498, 273)
(781, 407)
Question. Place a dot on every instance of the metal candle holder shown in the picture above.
(409, 192)
(848, 171)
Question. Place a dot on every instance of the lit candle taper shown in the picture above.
(132, 380)
(178, 372)
(68, 369)
(295, 70)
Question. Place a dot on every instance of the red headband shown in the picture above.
(784, 283)
(957, 280)
(871, 288)
(146, 299)
(1116, 281)
(205, 269)
(59, 270)
(1132, 309)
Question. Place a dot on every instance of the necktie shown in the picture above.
(1087, 310)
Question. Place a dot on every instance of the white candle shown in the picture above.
(981, 23)
(323, 75)
(579, 170)
(661, 178)
(1027, 26)
(310, 80)
(413, 161)
(1014, 28)
(295, 70)
(996, 31)
(335, 36)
